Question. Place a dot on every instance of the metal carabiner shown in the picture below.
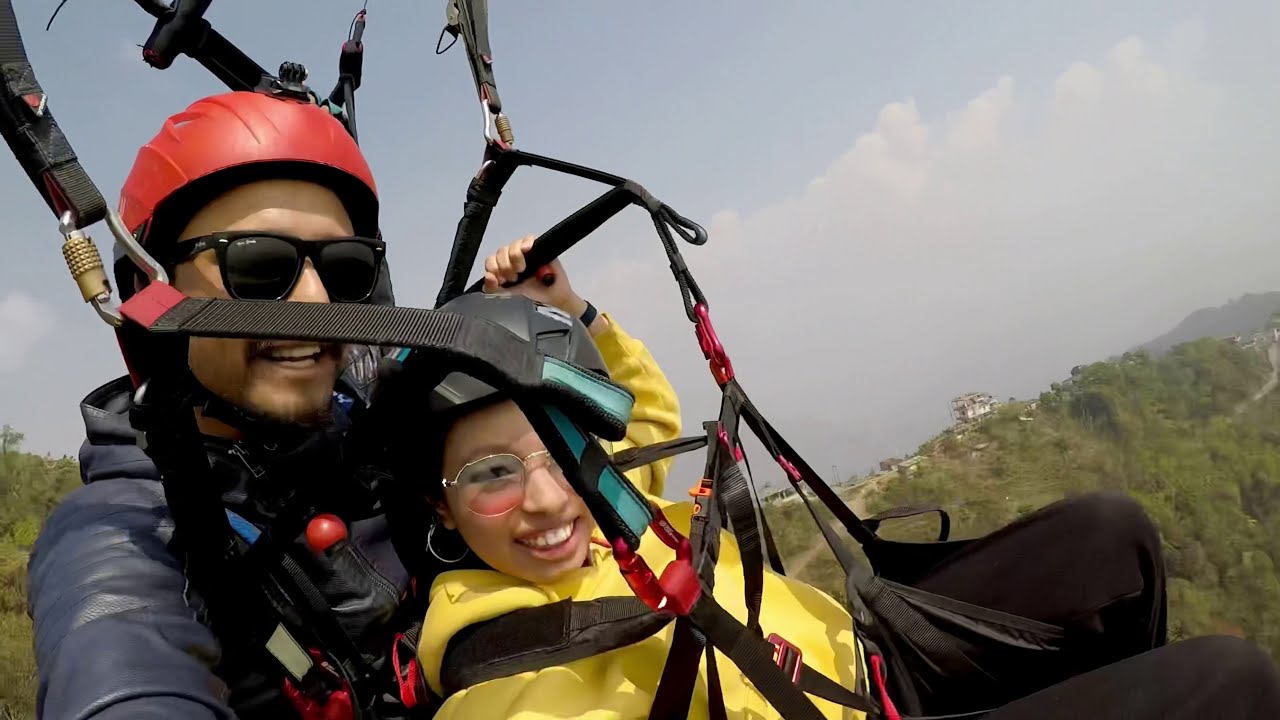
(87, 269)
(709, 342)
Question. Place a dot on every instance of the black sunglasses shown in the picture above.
(259, 265)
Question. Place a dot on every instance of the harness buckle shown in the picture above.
(322, 693)
(678, 588)
(701, 490)
(712, 350)
(787, 656)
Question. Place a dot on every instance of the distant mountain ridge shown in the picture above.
(1243, 316)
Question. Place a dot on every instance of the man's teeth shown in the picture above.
(549, 538)
(295, 352)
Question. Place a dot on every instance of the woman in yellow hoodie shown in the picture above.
(521, 539)
(533, 535)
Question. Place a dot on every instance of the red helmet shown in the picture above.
(237, 137)
(224, 141)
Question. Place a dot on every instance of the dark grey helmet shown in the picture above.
(553, 332)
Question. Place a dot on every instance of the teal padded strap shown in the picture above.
(613, 399)
(631, 507)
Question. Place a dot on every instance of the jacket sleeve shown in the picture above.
(656, 416)
(114, 634)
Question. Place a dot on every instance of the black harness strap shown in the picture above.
(482, 349)
(35, 138)
(755, 658)
(905, 511)
(679, 675)
(739, 504)
(770, 546)
(544, 636)
(635, 457)
(563, 632)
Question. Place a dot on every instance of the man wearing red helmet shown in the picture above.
(253, 197)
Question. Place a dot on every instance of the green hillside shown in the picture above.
(30, 486)
(1188, 434)
(1244, 315)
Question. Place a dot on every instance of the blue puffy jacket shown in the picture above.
(118, 632)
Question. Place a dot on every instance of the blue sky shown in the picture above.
(907, 200)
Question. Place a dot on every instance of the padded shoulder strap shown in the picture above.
(545, 636)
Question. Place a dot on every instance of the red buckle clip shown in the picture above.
(712, 350)
(787, 656)
(678, 588)
(313, 700)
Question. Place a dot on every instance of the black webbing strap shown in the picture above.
(876, 608)
(566, 233)
(770, 546)
(739, 505)
(486, 187)
(899, 620)
(544, 636)
(473, 25)
(35, 138)
(482, 195)
(674, 693)
(484, 350)
(635, 457)
(754, 657)
(782, 451)
(905, 511)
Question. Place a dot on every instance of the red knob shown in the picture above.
(324, 531)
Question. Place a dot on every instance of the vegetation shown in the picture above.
(1245, 315)
(1183, 434)
(30, 486)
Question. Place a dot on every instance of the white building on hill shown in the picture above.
(972, 407)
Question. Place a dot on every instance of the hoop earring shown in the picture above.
(431, 549)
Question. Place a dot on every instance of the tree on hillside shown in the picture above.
(31, 487)
(10, 440)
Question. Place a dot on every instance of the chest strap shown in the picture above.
(563, 632)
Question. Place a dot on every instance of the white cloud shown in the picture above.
(24, 322)
(989, 249)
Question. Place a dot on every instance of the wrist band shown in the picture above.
(589, 315)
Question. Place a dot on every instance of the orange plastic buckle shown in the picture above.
(699, 491)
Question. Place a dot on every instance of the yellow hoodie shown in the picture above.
(621, 683)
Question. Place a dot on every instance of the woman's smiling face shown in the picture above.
(508, 498)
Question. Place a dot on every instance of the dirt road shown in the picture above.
(1273, 354)
(857, 501)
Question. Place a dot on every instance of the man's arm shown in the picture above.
(114, 635)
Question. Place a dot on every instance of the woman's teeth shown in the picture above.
(549, 538)
(294, 352)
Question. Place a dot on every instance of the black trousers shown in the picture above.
(1201, 678)
(1090, 570)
